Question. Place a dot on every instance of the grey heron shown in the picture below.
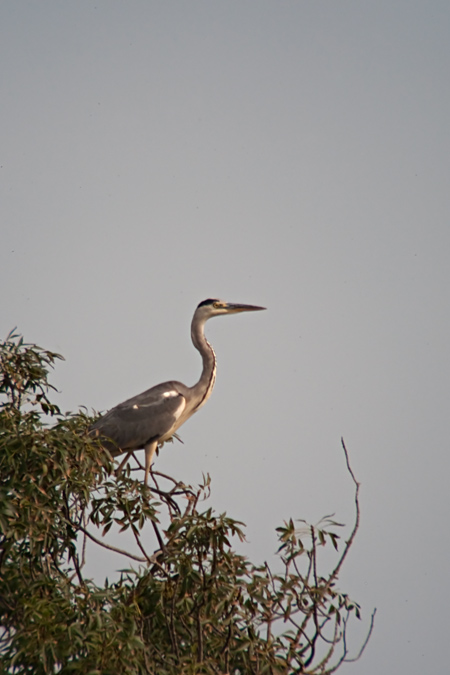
(150, 418)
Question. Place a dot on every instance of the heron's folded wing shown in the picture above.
(133, 423)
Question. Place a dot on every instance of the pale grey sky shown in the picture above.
(288, 154)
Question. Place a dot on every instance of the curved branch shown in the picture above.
(349, 542)
(112, 548)
(364, 645)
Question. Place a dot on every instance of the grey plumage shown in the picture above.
(150, 418)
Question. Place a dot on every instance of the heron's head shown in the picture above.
(214, 307)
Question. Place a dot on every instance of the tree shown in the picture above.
(193, 606)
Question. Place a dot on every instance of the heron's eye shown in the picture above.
(216, 305)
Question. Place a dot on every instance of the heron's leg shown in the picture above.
(150, 450)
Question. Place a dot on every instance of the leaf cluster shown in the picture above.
(193, 605)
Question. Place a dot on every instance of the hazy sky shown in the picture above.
(288, 154)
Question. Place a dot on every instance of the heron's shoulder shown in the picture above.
(163, 393)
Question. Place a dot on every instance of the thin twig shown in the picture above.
(123, 462)
(83, 556)
(158, 536)
(199, 637)
(372, 622)
(349, 542)
(164, 475)
(112, 548)
(333, 642)
(138, 542)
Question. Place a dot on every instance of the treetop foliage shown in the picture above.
(191, 605)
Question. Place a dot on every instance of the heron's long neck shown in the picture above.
(202, 390)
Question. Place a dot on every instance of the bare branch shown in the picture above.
(349, 542)
(139, 543)
(113, 548)
(358, 656)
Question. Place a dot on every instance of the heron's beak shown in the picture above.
(234, 308)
